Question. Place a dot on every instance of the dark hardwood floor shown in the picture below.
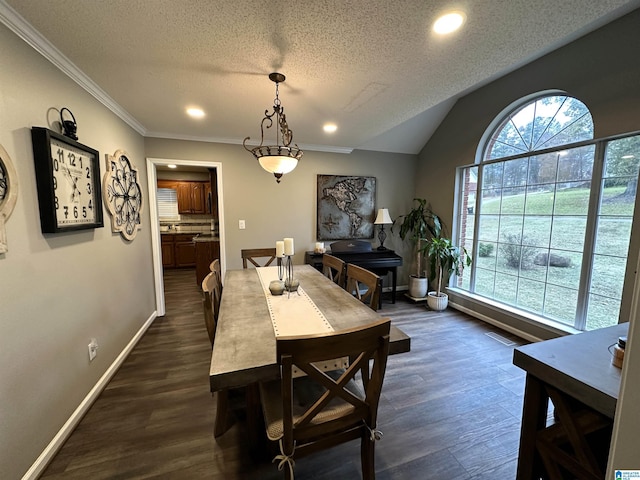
(450, 408)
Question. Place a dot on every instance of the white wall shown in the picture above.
(59, 291)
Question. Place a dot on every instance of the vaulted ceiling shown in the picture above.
(372, 67)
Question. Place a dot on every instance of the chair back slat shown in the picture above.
(215, 268)
(249, 255)
(358, 405)
(334, 268)
(211, 303)
(365, 285)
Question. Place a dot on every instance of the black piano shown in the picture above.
(359, 252)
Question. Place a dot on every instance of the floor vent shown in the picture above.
(499, 338)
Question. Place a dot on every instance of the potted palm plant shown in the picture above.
(444, 259)
(420, 224)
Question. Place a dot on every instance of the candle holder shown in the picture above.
(290, 283)
(280, 267)
(276, 287)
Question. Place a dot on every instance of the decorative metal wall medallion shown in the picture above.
(122, 194)
(8, 194)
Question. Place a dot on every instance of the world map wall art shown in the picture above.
(346, 207)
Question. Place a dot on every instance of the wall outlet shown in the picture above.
(93, 349)
(241, 224)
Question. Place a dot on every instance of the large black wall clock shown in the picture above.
(122, 194)
(8, 194)
(68, 181)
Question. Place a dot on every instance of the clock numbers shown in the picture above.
(69, 167)
(60, 159)
(68, 181)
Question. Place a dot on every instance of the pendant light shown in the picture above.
(280, 158)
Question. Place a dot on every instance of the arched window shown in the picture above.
(547, 213)
(547, 122)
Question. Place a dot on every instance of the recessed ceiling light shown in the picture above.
(195, 112)
(172, 166)
(448, 23)
(330, 127)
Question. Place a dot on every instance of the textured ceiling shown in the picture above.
(373, 67)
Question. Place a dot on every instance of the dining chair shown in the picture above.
(211, 305)
(365, 285)
(251, 254)
(323, 409)
(333, 268)
(215, 267)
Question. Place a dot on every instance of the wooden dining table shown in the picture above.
(244, 350)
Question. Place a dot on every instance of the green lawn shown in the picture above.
(559, 222)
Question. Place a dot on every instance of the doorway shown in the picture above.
(152, 177)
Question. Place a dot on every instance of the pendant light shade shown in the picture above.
(280, 158)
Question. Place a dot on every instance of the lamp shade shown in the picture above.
(383, 217)
(278, 163)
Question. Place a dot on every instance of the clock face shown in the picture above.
(68, 181)
(73, 182)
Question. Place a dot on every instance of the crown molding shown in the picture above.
(237, 141)
(24, 30)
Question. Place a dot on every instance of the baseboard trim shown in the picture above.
(56, 443)
(496, 323)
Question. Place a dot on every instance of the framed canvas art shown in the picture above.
(346, 207)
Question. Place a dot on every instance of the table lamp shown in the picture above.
(382, 219)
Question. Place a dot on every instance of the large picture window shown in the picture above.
(547, 212)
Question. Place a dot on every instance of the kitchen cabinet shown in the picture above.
(208, 199)
(168, 255)
(213, 196)
(207, 250)
(178, 250)
(185, 250)
(191, 195)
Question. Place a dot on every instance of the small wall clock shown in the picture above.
(8, 194)
(122, 194)
(68, 181)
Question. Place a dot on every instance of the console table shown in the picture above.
(380, 262)
(576, 374)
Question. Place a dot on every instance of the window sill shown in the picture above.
(554, 329)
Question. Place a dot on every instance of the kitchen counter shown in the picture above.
(205, 238)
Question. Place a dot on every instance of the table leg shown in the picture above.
(256, 435)
(534, 418)
(394, 279)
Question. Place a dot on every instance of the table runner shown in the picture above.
(292, 314)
